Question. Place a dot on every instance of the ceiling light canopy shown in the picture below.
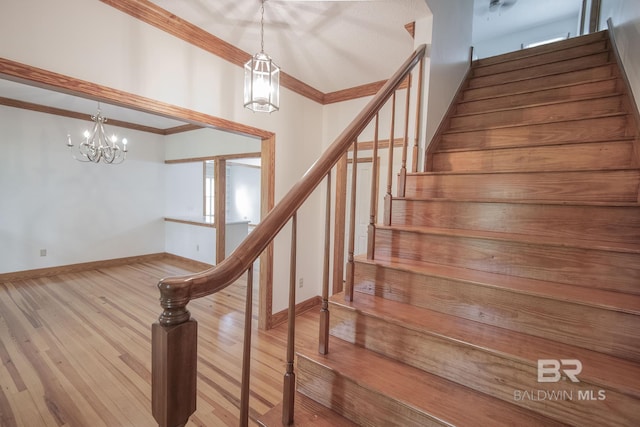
(261, 79)
(97, 146)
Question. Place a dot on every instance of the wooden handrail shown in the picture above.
(176, 292)
(174, 335)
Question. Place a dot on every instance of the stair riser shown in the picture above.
(355, 402)
(593, 328)
(477, 369)
(611, 186)
(539, 114)
(540, 83)
(601, 129)
(564, 93)
(590, 156)
(614, 224)
(583, 267)
(524, 53)
(545, 58)
(541, 70)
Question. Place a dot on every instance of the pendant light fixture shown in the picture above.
(261, 79)
(97, 146)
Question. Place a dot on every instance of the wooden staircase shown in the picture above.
(520, 243)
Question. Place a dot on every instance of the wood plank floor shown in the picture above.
(76, 350)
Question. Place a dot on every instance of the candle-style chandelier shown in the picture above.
(97, 146)
(261, 79)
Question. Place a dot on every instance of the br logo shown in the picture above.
(551, 370)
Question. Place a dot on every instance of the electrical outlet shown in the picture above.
(43, 252)
(300, 282)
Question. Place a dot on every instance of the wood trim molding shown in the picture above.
(368, 89)
(181, 261)
(74, 268)
(411, 29)
(219, 208)
(301, 307)
(382, 144)
(267, 201)
(154, 15)
(183, 128)
(75, 115)
(217, 157)
(39, 77)
(190, 222)
(160, 18)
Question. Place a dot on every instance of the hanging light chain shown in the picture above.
(262, 28)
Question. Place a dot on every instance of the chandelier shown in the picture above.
(261, 79)
(96, 146)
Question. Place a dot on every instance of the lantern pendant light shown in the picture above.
(261, 79)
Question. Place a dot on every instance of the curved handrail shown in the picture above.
(176, 292)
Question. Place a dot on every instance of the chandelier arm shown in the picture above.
(97, 145)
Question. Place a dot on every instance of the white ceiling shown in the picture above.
(518, 15)
(366, 38)
(330, 45)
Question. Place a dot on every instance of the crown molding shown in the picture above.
(39, 77)
(154, 15)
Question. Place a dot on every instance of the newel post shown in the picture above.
(173, 363)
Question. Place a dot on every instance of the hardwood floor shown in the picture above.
(76, 350)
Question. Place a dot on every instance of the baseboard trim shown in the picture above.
(301, 307)
(92, 265)
(182, 261)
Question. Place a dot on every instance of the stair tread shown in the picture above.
(543, 49)
(550, 144)
(547, 57)
(526, 201)
(521, 238)
(440, 398)
(534, 83)
(524, 91)
(542, 75)
(598, 369)
(600, 298)
(555, 157)
(541, 104)
(307, 413)
(622, 113)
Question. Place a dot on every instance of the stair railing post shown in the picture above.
(348, 289)
(323, 342)
(289, 387)
(373, 207)
(405, 141)
(416, 135)
(388, 197)
(246, 352)
(339, 227)
(174, 355)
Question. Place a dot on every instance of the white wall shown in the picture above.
(625, 15)
(78, 212)
(121, 52)
(243, 193)
(208, 142)
(191, 241)
(449, 56)
(513, 41)
(185, 190)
